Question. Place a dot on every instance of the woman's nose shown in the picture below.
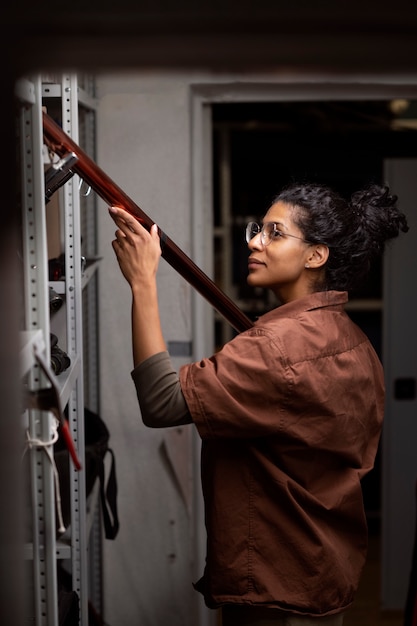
(256, 242)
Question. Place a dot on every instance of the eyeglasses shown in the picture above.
(269, 232)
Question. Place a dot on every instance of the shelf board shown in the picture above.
(67, 379)
(62, 551)
(54, 90)
(58, 286)
(91, 268)
(25, 91)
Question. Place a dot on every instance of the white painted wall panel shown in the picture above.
(143, 145)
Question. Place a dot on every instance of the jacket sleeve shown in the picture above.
(161, 400)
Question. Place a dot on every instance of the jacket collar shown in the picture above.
(317, 300)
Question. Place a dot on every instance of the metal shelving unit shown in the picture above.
(46, 549)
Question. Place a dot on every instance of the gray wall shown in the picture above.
(144, 146)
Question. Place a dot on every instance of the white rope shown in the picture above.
(47, 447)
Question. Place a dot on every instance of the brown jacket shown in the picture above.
(290, 414)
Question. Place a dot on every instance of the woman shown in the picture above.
(289, 411)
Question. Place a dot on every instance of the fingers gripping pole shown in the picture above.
(60, 143)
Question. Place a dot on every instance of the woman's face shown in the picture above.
(281, 265)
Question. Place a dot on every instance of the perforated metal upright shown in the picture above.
(73, 292)
(43, 549)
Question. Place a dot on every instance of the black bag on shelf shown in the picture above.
(96, 449)
(68, 608)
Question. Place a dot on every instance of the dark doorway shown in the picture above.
(343, 144)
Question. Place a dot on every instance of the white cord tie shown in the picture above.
(47, 447)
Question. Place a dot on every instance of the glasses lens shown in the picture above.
(252, 229)
(268, 231)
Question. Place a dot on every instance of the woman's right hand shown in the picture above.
(137, 250)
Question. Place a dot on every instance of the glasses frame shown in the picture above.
(261, 231)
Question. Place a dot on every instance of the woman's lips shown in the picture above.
(253, 263)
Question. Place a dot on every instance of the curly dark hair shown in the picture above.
(355, 231)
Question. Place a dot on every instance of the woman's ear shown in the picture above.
(317, 256)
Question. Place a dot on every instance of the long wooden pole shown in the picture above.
(60, 143)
